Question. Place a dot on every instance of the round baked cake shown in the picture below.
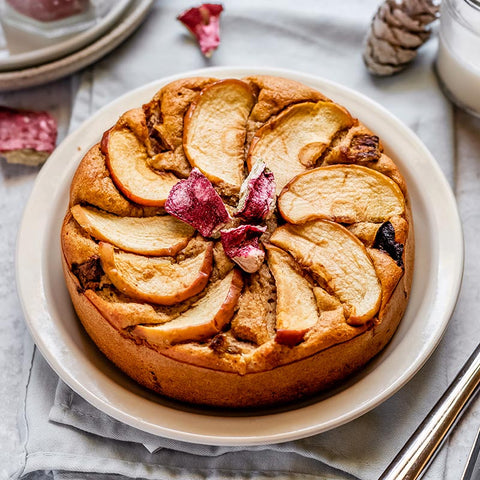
(238, 242)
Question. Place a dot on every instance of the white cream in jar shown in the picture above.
(458, 60)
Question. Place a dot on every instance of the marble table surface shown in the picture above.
(16, 182)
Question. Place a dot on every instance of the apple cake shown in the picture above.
(238, 242)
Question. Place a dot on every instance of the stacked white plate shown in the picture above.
(26, 61)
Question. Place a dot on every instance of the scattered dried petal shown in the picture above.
(257, 194)
(195, 201)
(204, 23)
(241, 244)
(385, 241)
(26, 136)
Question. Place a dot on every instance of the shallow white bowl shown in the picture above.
(64, 344)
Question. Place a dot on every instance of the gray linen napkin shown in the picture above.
(66, 436)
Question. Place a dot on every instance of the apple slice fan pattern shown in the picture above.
(238, 242)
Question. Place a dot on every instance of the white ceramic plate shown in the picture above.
(45, 50)
(61, 339)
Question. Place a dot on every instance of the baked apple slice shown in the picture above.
(296, 304)
(126, 158)
(342, 193)
(292, 142)
(123, 314)
(339, 259)
(156, 279)
(215, 129)
(159, 235)
(203, 320)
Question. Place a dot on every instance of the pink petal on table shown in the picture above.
(204, 23)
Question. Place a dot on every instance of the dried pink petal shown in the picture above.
(26, 136)
(195, 201)
(241, 244)
(257, 194)
(204, 23)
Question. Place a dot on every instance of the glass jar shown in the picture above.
(458, 59)
(48, 18)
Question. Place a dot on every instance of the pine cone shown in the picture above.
(398, 29)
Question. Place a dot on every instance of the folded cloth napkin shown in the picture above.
(67, 438)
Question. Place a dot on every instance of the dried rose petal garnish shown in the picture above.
(241, 244)
(204, 23)
(257, 194)
(195, 201)
(26, 136)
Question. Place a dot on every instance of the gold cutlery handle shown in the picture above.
(411, 461)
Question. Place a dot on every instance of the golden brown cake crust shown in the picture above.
(242, 364)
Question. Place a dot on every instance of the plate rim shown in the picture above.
(281, 436)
